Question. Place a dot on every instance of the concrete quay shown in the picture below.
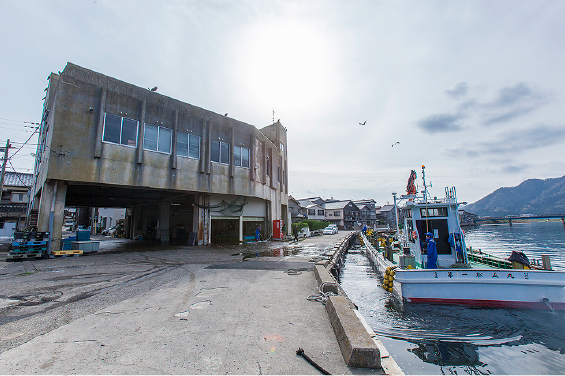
(220, 310)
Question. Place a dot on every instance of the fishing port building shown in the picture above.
(183, 173)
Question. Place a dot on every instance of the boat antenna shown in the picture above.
(425, 192)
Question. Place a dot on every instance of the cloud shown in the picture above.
(440, 123)
(521, 93)
(510, 103)
(506, 116)
(459, 91)
(514, 142)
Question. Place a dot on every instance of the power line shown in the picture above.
(36, 129)
(17, 173)
(20, 121)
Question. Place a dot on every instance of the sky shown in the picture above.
(368, 90)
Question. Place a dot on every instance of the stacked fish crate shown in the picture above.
(28, 245)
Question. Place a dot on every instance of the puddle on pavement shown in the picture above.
(263, 250)
(201, 305)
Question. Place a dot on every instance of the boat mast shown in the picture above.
(425, 192)
(396, 216)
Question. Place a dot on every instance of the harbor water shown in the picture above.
(443, 339)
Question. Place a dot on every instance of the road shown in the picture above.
(39, 296)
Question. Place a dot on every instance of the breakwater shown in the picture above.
(358, 343)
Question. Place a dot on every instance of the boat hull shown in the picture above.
(514, 288)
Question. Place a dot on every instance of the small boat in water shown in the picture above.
(460, 276)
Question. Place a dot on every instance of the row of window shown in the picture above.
(313, 212)
(123, 131)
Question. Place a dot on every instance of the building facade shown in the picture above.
(181, 171)
(14, 201)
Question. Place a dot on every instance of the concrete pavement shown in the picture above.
(237, 318)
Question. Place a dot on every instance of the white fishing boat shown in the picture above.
(460, 277)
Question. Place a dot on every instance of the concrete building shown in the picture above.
(181, 172)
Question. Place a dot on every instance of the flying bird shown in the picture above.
(363, 123)
(154, 89)
(397, 142)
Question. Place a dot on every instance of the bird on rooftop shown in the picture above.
(154, 89)
(397, 142)
(363, 123)
(226, 114)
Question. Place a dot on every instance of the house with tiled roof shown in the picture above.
(312, 209)
(367, 212)
(14, 200)
(344, 214)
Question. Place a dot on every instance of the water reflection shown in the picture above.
(448, 353)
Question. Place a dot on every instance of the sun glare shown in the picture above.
(287, 64)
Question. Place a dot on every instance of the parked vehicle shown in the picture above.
(304, 232)
(109, 231)
(335, 228)
(329, 231)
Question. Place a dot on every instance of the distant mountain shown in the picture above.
(533, 196)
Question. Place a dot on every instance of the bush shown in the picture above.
(315, 225)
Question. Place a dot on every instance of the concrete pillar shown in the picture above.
(136, 217)
(140, 131)
(46, 200)
(241, 228)
(164, 215)
(58, 215)
(100, 125)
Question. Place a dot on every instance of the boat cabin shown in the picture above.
(439, 217)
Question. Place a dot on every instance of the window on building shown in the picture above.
(220, 152)
(18, 197)
(120, 130)
(311, 211)
(282, 147)
(336, 214)
(320, 212)
(157, 138)
(241, 156)
(434, 212)
(188, 145)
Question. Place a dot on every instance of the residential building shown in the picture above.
(296, 212)
(14, 201)
(312, 209)
(182, 172)
(386, 214)
(344, 214)
(367, 212)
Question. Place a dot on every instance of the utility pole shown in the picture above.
(4, 166)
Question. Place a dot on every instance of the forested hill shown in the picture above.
(533, 196)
